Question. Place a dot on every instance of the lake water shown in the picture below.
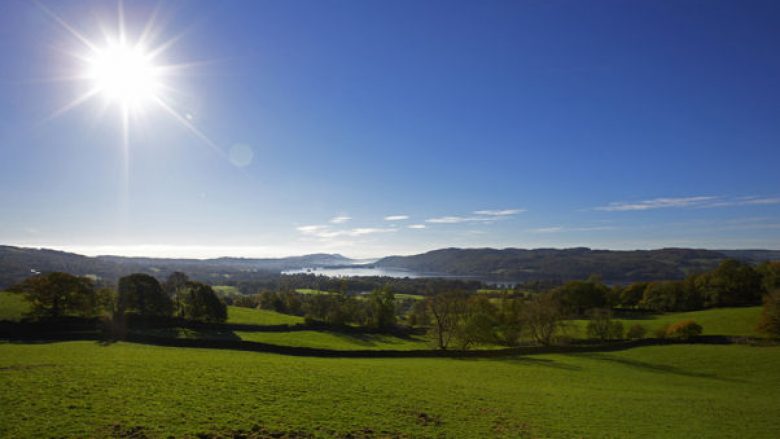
(358, 271)
(389, 272)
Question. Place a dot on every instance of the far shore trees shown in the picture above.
(55, 295)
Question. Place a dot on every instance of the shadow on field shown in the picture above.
(658, 368)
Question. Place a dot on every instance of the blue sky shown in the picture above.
(607, 124)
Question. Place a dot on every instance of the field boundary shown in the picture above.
(253, 346)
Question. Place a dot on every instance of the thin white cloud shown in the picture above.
(396, 217)
(699, 202)
(458, 219)
(499, 212)
(341, 219)
(417, 226)
(658, 203)
(560, 229)
(327, 232)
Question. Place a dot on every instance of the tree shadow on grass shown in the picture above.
(658, 368)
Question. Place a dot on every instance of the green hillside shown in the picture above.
(84, 389)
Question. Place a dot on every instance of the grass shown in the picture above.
(13, 306)
(718, 321)
(312, 291)
(336, 340)
(403, 296)
(252, 316)
(226, 290)
(83, 389)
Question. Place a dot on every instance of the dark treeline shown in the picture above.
(352, 285)
(138, 296)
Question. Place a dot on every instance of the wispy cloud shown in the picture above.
(699, 202)
(477, 216)
(658, 203)
(396, 217)
(458, 219)
(417, 226)
(341, 219)
(561, 229)
(500, 212)
(327, 232)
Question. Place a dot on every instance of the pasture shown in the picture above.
(84, 389)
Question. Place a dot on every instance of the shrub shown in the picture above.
(684, 329)
(661, 332)
(637, 331)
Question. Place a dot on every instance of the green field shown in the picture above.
(254, 316)
(312, 291)
(336, 340)
(83, 389)
(718, 321)
(13, 306)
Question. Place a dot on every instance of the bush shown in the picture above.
(684, 329)
(602, 327)
(661, 332)
(637, 331)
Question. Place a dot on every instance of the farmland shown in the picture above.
(85, 389)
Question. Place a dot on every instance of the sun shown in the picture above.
(124, 74)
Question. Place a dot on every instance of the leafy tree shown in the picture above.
(770, 316)
(733, 283)
(174, 282)
(142, 294)
(199, 302)
(381, 309)
(602, 326)
(510, 322)
(770, 275)
(477, 323)
(578, 296)
(58, 294)
(543, 317)
(662, 296)
(631, 295)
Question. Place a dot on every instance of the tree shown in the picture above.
(174, 282)
(578, 296)
(770, 275)
(510, 321)
(199, 302)
(770, 316)
(631, 295)
(602, 326)
(142, 294)
(58, 294)
(733, 283)
(477, 323)
(445, 310)
(543, 317)
(381, 309)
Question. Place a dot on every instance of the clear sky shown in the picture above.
(372, 128)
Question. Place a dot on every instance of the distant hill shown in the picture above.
(574, 263)
(17, 263)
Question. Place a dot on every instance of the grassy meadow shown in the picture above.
(84, 389)
(13, 306)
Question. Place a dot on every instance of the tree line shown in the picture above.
(57, 295)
